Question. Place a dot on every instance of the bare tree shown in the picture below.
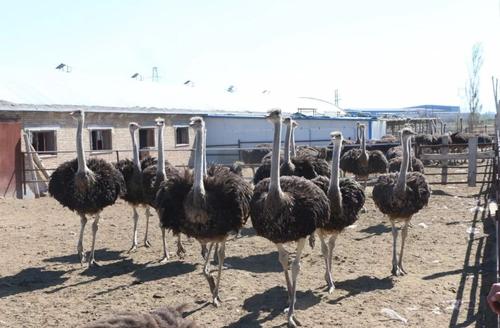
(472, 85)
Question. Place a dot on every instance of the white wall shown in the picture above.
(251, 131)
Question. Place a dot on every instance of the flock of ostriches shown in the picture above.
(294, 197)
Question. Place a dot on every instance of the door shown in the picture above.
(10, 159)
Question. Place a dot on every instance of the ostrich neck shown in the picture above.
(161, 160)
(292, 146)
(135, 149)
(363, 143)
(82, 163)
(288, 139)
(198, 186)
(204, 150)
(401, 183)
(275, 159)
(334, 188)
(441, 127)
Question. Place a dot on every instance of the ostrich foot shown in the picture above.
(81, 256)
(363, 210)
(330, 284)
(403, 271)
(132, 249)
(216, 301)
(397, 271)
(164, 259)
(181, 251)
(93, 263)
(147, 244)
(293, 322)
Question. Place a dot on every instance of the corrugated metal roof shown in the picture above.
(59, 91)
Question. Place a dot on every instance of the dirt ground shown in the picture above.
(449, 256)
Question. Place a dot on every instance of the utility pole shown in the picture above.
(337, 98)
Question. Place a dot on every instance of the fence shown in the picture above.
(471, 154)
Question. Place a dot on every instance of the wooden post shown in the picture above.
(494, 81)
(472, 167)
(239, 150)
(31, 168)
(444, 163)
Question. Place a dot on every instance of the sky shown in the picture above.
(385, 53)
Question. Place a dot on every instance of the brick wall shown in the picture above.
(121, 141)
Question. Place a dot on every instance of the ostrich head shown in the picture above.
(77, 114)
(336, 137)
(132, 126)
(288, 121)
(295, 124)
(406, 131)
(159, 121)
(197, 122)
(274, 115)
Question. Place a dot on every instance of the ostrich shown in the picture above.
(285, 210)
(302, 166)
(132, 173)
(207, 208)
(86, 187)
(160, 318)
(152, 178)
(346, 198)
(400, 196)
(362, 162)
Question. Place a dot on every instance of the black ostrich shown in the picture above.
(287, 209)
(302, 166)
(416, 165)
(346, 198)
(86, 187)
(132, 173)
(400, 196)
(152, 177)
(361, 162)
(207, 208)
(460, 137)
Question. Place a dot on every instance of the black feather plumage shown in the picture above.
(304, 208)
(353, 200)
(86, 195)
(352, 161)
(416, 165)
(305, 167)
(396, 206)
(224, 209)
(151, 181)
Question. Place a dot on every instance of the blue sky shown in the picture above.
(377, 53)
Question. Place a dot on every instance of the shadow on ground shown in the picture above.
(29, 280)
(259, 263)
(271, 304)
(360, 285)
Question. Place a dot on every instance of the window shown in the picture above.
(182, 136)
(44, 142)
(146, 138)
(100, 140)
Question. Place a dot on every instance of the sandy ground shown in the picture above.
(448, 256)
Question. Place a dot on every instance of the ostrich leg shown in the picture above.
(326, 255)
(180, 249)
(165, 251)
(206, 267)
(79, 248)
(292, 320)
(146, 240)
(404, 234)
(395, 269)
(221, 253)
(95, 227)
(283, 258)
(134, 239)
(331, 246)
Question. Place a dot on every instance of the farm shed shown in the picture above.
(40, 108)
